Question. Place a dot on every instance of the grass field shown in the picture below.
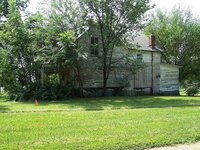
(101, 123)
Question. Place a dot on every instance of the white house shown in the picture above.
(155, 78)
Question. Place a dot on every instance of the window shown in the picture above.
(139, 57)
(94, 49)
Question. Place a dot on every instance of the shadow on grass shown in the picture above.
(4, 108)
(109, 103)
(3, 98)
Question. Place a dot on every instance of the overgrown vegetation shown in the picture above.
(191, 87)
(40, 57)
(37, 56)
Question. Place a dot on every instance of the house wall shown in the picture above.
(152, 79)
(147, 80)
(169, 82)
(92, 68)
(141, 82)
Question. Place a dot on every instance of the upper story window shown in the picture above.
(94, 49)
(139, 57)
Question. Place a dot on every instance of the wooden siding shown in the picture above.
(143, 78)
(149, 77)
(169, 78)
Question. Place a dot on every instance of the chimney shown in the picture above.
(152, 41)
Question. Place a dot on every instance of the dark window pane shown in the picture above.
(139, 57)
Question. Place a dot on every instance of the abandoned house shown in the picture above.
(155, 78)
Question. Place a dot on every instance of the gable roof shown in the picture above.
(140, 40)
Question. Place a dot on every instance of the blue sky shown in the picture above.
(167, 5)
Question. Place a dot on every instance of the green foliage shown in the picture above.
(3, 62)
(4, 6)
(59, 50)
(133, 64)
(17, 39)
(191, 87)
(25, 55)
(67, 15)
(47, 93)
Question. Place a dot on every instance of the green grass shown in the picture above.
(101, 123)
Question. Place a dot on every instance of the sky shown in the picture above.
(167, 5)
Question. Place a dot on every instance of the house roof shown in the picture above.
(142, 43)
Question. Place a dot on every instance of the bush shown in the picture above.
(53, 92)
(48, 92)
(191, 87)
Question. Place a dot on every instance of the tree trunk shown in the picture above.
(80, 82)
(42, 77)
(104, 78)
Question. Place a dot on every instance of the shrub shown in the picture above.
(48, 92)
(191, 87)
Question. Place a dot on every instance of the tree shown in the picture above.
(67, 15)
(16, 40)
(3, 62)
(190, 56)
(4, 6)
(114, 19)
(33, 46)
(64, 23)
(177, 33)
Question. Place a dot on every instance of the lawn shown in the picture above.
(100, 123)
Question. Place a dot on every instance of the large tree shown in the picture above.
(114, 19)
(64, 23)
(16, 41)
(32, 47)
